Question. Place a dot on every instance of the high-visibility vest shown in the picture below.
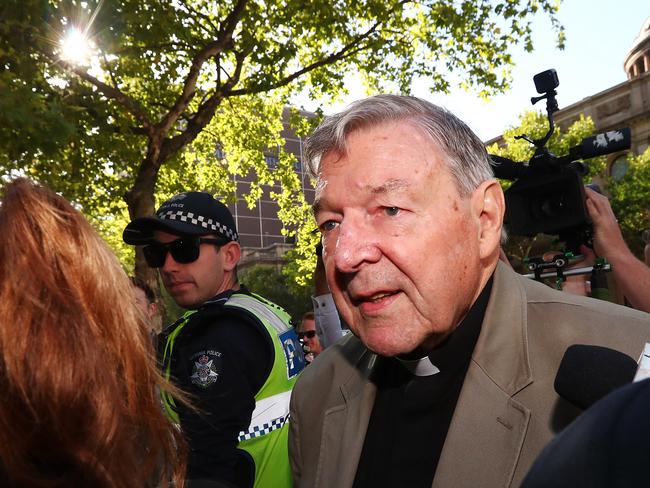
(266, 438)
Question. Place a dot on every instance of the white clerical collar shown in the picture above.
(420, 367)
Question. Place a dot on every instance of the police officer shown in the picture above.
(233, 351)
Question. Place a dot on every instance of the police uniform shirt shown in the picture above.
(411, 413)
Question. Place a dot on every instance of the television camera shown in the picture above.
(547, 196)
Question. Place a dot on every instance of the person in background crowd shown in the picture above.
(79, 404)
(146, 300)
(329, 326)
(307, 334)
(145, 297)
(447, 377)
(233, 351)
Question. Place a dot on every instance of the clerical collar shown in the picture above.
(420, 367)
(458, 347)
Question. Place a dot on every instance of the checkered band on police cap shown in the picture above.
(189, 213)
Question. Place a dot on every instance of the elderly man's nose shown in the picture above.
(355, 246)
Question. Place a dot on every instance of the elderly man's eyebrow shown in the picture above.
(317, 205)
(392, 185)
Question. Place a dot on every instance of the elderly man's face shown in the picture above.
(404, 253)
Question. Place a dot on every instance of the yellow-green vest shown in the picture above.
(266, 438)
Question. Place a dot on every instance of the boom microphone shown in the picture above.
(605, 143)
(588, 373)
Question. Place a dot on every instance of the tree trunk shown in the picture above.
(140, 202)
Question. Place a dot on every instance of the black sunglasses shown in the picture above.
(184, 250)
(309, 334)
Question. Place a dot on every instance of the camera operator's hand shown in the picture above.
(576, 284)
(608, 239)
(632, 275)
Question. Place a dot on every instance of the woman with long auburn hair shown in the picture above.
(78, 381)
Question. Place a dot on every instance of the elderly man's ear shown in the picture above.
(488, 205)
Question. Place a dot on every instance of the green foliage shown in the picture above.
(273, 285)
(170, 80)
(630, 199)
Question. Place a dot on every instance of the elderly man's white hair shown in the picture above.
(463, 151)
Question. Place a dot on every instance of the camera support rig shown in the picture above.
(557, 268)
(545, 82)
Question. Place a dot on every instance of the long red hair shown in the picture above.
(78, 381)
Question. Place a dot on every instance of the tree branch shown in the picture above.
(204, 113)
(191, 10)
(345, 52)
(110, 71)
(194, 126)
(114, 94)
(212, 49)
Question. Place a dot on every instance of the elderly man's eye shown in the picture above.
(327, 226)
(391, 211)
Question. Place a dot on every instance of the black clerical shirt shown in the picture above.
(411, 414)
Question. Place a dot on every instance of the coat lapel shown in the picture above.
(344, 428)
(488, 428)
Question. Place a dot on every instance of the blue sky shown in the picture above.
(599, 33)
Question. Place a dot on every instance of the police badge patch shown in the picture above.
(206, 368)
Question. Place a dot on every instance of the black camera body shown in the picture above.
(547, 196)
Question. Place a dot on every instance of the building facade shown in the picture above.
(624, 105)
(259, 228)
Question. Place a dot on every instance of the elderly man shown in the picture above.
(447, 379)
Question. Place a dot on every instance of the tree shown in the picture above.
(275, 286)
(629, 196)
(167, 81)
(630, 199)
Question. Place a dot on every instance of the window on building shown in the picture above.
(297, 165)
(272, 160)
(219, 153)
(619, 167)
(640, 66)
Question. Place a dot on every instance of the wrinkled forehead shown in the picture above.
(398, 166)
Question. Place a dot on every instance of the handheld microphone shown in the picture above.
(588, 373)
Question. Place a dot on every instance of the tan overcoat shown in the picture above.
(507, 409)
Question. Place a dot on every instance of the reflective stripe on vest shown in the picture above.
(167, 399)
(259, 309)
(270, 414)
